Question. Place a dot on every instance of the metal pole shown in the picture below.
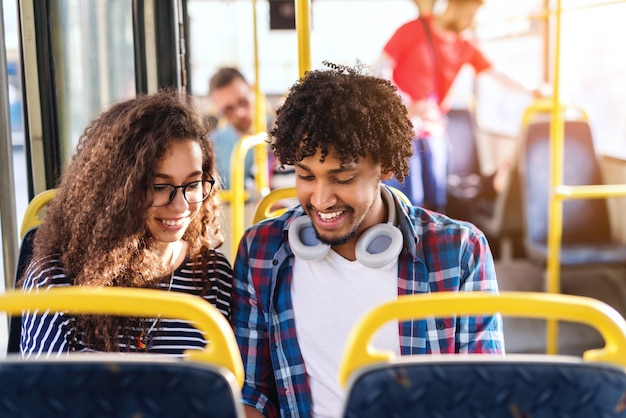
(555, 203)
(8, 216)
(303, 28)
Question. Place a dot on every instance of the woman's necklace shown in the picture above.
(144, 342)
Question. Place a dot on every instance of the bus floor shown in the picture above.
(523, 335)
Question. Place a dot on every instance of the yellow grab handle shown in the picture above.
(263, 209)
(545, 105)
(601, 316)
(237, 187)
(222, 349)
(31, 216)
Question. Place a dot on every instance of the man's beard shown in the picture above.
(337, 241)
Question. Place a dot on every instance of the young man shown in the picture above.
(303, 279)
(422, 58)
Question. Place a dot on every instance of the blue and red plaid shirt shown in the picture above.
(440, 254)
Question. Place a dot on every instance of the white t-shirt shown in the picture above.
(329, 297)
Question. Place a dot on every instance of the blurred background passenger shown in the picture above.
(423, 58)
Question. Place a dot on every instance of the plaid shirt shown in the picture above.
(440, 254)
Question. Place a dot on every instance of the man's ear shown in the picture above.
(386, 175)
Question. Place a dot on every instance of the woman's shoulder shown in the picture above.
(45, 272)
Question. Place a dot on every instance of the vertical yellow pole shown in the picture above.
(555, 219)
(303, 27)
(260, 124)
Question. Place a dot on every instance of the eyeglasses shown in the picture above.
(230, 109)
(194, 192)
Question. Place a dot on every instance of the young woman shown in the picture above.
(136, 207)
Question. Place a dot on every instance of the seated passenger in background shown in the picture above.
(234, 99)
(136, 207)
(296, 298)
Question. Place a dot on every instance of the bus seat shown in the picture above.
(31, 221)
(461, 129)
(500, 216)
(15, 321)
(487, 386)
(464, 173)
(586, 232)
(205, 383)
(266, 207)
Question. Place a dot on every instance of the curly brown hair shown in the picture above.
(96, 222)
(353, 113)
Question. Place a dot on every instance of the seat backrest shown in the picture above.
(31, 221)
(463, 157)
(25, 255)
(520, 386)
(98, 385)
(206, 384)
(378, 384)
(501, 215)
(464, 180)
(585, 221)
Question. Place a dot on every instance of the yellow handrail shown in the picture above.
(598, 191)
(604, 318)
(264, 207)
(221, 349)
(237, 186)
(303, 28)
(555, 202)
(260, 113)
(544, 105)
(31, 215)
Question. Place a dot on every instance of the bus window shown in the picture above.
(15, 100)
(93, 45)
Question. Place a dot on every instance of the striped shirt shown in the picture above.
(52, 334)
(439, 254)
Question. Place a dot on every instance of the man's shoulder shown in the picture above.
(45, 272)
(225, 131)
(439, 223)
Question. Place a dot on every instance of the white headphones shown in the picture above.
(377, 247)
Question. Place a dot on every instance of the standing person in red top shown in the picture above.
(423, 58)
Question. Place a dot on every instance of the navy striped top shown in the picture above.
(52, 334)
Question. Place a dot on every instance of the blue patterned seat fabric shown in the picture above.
(570, 388)
(586, 230)
(116, 388)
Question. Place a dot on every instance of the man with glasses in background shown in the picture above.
(234, 99)
(232, 96)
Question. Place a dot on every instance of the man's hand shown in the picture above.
(426, 117)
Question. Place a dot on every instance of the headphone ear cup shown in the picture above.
(379, 246)
(303, 241)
